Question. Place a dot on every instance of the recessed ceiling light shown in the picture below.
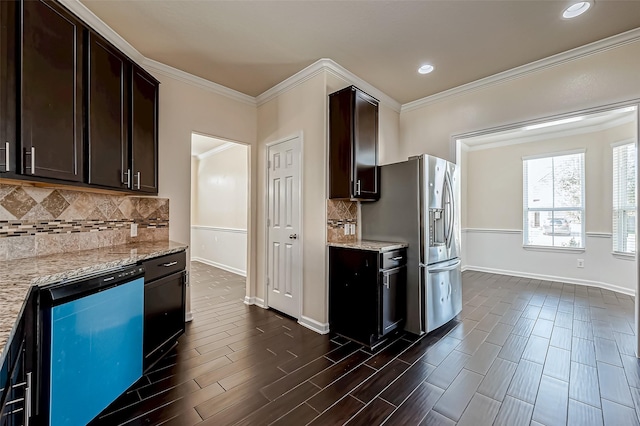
(576, 9)
(425, 69)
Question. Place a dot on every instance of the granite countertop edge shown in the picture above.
(370, 245)
(12, 292)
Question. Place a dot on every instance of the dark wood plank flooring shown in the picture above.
(521, 352)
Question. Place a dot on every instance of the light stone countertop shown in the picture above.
(17, 277)
(379, 246)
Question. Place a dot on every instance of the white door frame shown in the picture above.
(299, 136)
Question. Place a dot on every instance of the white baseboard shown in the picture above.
(255, 301)
(314, 325)
(220, 265)
(589, 283)
(188, 317)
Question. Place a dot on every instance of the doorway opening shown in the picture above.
(220, 176)
(555, 200)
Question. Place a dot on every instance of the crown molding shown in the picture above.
(217, 150)
(99, 26)
(194, 80)
(334, 68)
(521, 71)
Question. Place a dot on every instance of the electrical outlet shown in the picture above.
(353, 229)
(134, 229)
(346, 229)
(580, 263)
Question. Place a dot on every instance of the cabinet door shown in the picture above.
(7, 87)
(353, 294)
(51, 113)
(340, 144)
(164, 309)
(144, 131)
(365, 147)
(108, 152)
(392, 298)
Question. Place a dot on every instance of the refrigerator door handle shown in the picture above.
(446, 268)
(450, 211)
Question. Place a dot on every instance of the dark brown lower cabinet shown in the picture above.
(164, 306)
(17, 374)
(366, 297)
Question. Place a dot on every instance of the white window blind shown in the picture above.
(554, 200)
(624, 198)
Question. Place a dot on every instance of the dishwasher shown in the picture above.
(92, 336)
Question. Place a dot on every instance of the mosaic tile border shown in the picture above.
(25, 228)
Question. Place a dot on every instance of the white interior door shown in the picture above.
(284, 269)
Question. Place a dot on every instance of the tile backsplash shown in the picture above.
(339, 213)
(39, 221)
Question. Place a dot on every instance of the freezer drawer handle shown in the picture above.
(446, 268)
(167, 265)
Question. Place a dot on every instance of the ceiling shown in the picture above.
(250, 46)
(201, 144)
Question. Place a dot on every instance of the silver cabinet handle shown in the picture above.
(136, 181)
(397, 258)
(358, 187)
(32, 153)
(27, 402)
(7, 156)
(166, 265)
(293, 236)
(128, 181)
(386, 280)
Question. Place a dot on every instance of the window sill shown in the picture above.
(624, 256)
(555, 249)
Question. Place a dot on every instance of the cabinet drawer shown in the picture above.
(164, 265)
(393, 259)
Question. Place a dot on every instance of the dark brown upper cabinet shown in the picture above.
(51, 92)
(8, 147)
(107, 115)
(353, 145)
(144, 131)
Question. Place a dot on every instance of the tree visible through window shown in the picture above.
(624, 198)
(554, 200)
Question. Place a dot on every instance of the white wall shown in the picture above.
(219, 209)
(224, 248)
(222, 183)
(603, 78)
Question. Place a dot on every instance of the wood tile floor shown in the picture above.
(522, 352)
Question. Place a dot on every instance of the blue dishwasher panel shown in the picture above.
(96, 352)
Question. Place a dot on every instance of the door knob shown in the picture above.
(293, 236)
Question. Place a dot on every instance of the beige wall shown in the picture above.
(595, 80)
(300, 110)
(222, 182)
(304, 109)
(495, 181)
(184, 109)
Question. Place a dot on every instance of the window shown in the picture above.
(624, 198)
(554, 200)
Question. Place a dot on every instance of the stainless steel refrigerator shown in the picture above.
(419, 205)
